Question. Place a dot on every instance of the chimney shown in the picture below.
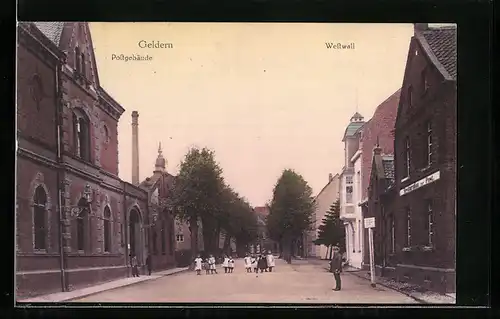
(330, 177)
(420, 27)
(377, 150)
(135, 148)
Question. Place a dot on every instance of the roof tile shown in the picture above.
(443, 43)
(51, 30)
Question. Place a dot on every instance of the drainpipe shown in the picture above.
(59, 175)
(125, 229)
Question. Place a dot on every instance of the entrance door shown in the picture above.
(135, 235)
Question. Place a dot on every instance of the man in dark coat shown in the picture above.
(336, 266)
(148, 264)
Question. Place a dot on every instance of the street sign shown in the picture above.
(370, 222)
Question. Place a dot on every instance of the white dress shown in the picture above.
(231, 263)
(254, 262)
(248, 262)
(225, 263)
(270, 260)
(211, 261)
(197, 263)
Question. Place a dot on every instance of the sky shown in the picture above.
(264, 97)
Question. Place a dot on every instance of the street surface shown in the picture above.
(302, 281)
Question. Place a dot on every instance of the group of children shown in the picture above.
(264, 262)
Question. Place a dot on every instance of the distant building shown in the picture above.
(323, 201)
(349, 213)
(264, 242)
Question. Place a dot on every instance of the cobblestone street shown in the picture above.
(299, 282)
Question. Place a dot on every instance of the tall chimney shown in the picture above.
(135, 148)
(420, 27)
(330, 177)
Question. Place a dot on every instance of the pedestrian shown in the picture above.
(225, 263)
(336, 266)
(134, 263)
(211, 262)
(254, 263)
(248, 263)
(148, 264)
(262, 263)
(231, 264)
(206, 265)
(270, 261)
(198, 264)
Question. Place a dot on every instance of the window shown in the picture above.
(348, 180)
(122, 234)
(428, 148)
(406, 163)
(39, 212)
(348, 195)
(155, 240)
(410, 96)
(80, 225)
(106, 135)
(163, 238)
(78, 56)
(429, 224)
(180, 238)
(393, 233)
(408, 227)
(81, 136)
(82, 66)
(107, 229)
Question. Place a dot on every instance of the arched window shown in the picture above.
(163, 238)
(80, 224)
(107, 229)
(81, 135)
(39, 219)
(78, 56)
(82, 66)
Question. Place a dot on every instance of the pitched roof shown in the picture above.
(352, 129)
(440, 44)
(52, 30)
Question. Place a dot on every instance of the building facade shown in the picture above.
(323, 201)
(264, 242)
(425, 156)
(76, 221)
(348, 212)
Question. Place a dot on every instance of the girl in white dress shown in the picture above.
(231, 264)
(270, 261)
(225, 263)
(197, 264)
(248, 263)
(254, 264)
(211, 262)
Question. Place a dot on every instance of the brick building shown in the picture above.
(76, 220)
(425, 161)
(264, 242)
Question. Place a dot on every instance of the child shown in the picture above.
(254, 264)
(231, 264)
(248, 263)
(270, 261)
(225, 263)
(211, 263)
(206, 265)
(197, 264)
(262, 263)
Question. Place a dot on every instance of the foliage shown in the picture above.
(331, 231)
(291, 208)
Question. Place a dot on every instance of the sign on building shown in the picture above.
(369, 222)
(421, 183)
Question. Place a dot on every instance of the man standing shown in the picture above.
(134, 263)
(336, 266)
(148, 264)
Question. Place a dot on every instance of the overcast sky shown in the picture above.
(264, 97)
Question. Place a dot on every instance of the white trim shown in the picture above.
(356, 155)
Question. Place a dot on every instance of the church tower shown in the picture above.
(160, 164)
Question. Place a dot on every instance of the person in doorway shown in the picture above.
(211, 263)
(198, 264)
(336, 266)
(262, 263)
(148, 264)
(248, 263)
(254, 263)
(135, 265)
(231, 264)
(270, 261)
(225, 263)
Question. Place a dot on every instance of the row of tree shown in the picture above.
(200, 193)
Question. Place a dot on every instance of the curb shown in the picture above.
(388, 287)
(127, 285)
(105, 290)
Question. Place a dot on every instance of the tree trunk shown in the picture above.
(327, 251)
(217, 238)
(227, 243)
(193, 228)
(331, 252)
(286, 246)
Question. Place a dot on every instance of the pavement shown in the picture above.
(108, 287)
(299, 282)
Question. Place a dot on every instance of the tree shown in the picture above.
(196, 194)
(291, 211)
(331, 231)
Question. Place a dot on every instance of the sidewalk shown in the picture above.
(412, 291)
(84, 292)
